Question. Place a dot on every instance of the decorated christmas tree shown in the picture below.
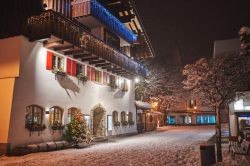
(77, 131)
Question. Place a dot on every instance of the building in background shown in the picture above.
(190, 113)
(75, 56)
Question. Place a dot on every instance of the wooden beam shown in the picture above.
(82, 55)
(126, 19)
(62, 47)
(50, 42)
(96, 62)
(103, 64)
(73, 51)
(89, 59)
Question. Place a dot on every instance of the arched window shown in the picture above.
(130, 117)
(115, 116)
(123, 116)
(33, 116)
(55, 116)
(72, 112)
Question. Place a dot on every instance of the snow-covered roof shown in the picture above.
(143, 105)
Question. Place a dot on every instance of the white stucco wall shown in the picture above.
(36, 85)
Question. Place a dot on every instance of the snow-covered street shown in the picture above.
(166, 146)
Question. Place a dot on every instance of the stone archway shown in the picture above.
(98, 116)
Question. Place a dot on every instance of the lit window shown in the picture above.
(55, 116)
(98, 76)
(34, 115)
(57, 62)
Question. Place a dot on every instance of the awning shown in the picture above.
(143, 105)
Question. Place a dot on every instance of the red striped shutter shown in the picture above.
(89, 72)
(92, 74)
(74, 68)
(68, 67)
(49, 60)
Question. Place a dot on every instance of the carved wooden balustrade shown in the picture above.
(52, 23)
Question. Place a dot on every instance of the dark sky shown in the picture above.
(191, 26)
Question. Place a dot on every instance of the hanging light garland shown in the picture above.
(102, 14)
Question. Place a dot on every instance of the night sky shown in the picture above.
(191, 26)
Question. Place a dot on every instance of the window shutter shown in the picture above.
(69, 66)
(89, 72)
(74, 68)
(49, 60)
(83, 70)
(92, 74)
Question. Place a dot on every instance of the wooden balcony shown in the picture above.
(81, 44)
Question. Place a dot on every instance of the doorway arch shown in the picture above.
(98, 116)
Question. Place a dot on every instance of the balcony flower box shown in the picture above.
(57, 126)
(35, 127)
(124, 123)
(59, 71)
(131, 123)
(117, 124)
(82, 77)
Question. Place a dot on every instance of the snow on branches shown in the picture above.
(217, 80)
(163, 85)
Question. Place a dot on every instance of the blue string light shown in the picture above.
(102, 14)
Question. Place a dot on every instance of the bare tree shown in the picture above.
(217, 81)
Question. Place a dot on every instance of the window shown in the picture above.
(112, 81)
(34, 115)
(105, 78)
(192, 104)
(58, 62)
(130, 117)
(54, 61)
(123, 116)
(55, 116)
(71, 113)
(115, 116)
(98, 76)
(92, 74)
(171, 120)
(80, 69)
(89, 72)
(199, 119)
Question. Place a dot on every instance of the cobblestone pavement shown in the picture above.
(170, 146)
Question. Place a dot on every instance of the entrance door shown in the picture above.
(99, 122)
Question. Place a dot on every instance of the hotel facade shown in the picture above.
(75, 56)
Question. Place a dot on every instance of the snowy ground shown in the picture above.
(169, 146)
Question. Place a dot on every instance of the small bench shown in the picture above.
(242, 149)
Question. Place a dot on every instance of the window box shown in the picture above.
(35, 127)
(59, 71)
(117, 124)
(124, 123)
(131, 123)
(57, 126)
(82, 77)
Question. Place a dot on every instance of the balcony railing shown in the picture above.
(53, 23)
(93, 8)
